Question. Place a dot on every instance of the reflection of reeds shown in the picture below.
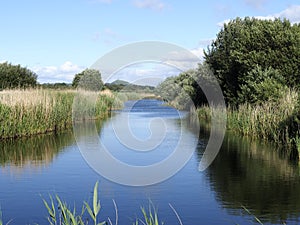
(37, 111)
(33, 152)
(273, 121)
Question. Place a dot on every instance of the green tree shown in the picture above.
(262, 85)
(15, 76)
(242, 44)
(89, 79)
(185, 89)
(168, 89)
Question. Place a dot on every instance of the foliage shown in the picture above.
(168, 89)
(89, 79)
(261, 85)
(63, 215)
(277, 121)
(57, 86)
(184, 91)
(15, 76)
(128, 87)
(150, 216)
(242, 44)
(30, 112)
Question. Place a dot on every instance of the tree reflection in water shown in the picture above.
(254, 175)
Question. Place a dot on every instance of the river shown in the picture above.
(245, 176)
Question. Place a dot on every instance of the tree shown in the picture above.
(89, 79)
(262, 85)
(168, 89)
(15, 76)
(184, 90)
(243, 44)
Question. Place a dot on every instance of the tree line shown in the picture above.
(253, 60)
(16, 76)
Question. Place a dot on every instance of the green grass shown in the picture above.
(60, 213)
(150, 216)
(278, 122)
(37, 111)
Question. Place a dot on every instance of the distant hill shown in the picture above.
(120, 82)
(119, 85)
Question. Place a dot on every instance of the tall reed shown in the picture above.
(37, 111)
(278, 121)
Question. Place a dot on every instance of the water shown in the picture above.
(244, 173)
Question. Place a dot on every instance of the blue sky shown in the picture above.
(58, 39)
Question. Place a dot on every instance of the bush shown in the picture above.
(88, 79)
(244, 43)
(15, 76)
(262, 85)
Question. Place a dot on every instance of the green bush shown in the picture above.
(15, 76)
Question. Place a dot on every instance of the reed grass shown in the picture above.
(150, 216)
(278, 122)
(38, 111)
(60, 213)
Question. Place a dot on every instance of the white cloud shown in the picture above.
(145, 73)
(149, 4)
(170, 65)
(221, 24)
(154, 73)
(198, 52)
(205, 42)
(292, 13)
(55, 74)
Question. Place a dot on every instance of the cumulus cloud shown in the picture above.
(221, 24)
(56, 74)
(152, 73)
(292, 13)
(199, 52)
(150, 4)
(145, 73)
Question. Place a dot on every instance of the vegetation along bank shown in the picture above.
(257, 65)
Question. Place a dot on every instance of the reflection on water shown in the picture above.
(36, 152)
(33, 152)
(254, 175)
(245, 173)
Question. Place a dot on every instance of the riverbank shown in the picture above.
(31, 112)
(277, 122)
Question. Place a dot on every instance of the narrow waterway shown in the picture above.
(244, 174)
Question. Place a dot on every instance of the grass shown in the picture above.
(278, 122)
(62, 214)
(38, 111)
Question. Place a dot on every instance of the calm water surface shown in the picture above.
(244, 173)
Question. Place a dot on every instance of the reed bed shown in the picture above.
(278, 121)
(38, 111)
